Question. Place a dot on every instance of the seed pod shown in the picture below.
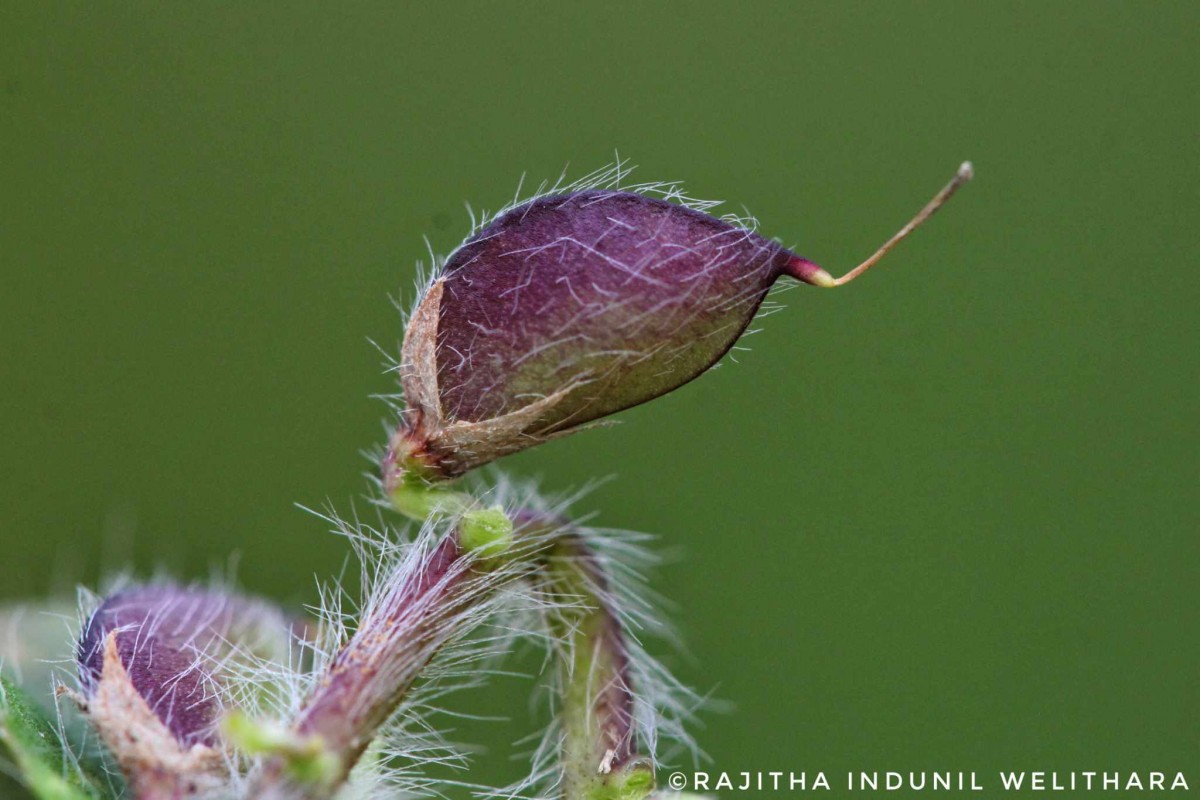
(149, 663)
(169, 640)
(571, 307)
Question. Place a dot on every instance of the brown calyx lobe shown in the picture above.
(623, 296)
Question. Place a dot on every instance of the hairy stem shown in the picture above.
(599, 750)
(370, 676)
(401, 634)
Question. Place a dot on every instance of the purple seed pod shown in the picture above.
(571, 307)
(164, 644)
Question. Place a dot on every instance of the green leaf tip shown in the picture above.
(487, 532)
(32, 744)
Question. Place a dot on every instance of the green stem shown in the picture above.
(600, 758)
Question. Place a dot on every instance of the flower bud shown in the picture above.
(567, 309)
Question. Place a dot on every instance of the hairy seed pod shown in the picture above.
(571, 307)
(168, 643)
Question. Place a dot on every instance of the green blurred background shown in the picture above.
(944, 519)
